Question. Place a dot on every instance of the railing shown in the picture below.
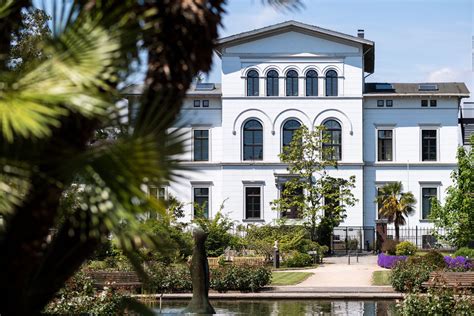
(422, 237)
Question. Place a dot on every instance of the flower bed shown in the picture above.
(459, 263)
(389, 262)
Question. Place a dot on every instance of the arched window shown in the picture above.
(311, 83)
(252, 83)
(289, 129)
(291, 83)
(253, 140)
(272, 83)
(331, 83)
(332, 140)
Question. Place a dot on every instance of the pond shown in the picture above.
(287, 307)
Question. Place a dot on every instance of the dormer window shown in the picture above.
(252, 83)
(272, 83)
(331, 83)
(291, 83)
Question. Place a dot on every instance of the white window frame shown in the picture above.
(427, 184)
(202, 185)
(385, 127)
(253, 184)
(429, 127)
(209, 142)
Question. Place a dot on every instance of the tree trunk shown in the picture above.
(397, 232)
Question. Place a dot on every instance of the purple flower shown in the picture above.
(458, 263)
(389, 262)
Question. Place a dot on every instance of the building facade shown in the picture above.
(280, 77)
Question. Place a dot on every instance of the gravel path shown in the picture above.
(335, 272)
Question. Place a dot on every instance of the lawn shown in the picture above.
(381, 278)
(289, 278)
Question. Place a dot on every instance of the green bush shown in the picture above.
(97, 265)
(405, 248)
(389, 247)
(299, 259)
(435, 259)
(240, 278)
(438, 301)
(465, 252)
(168, 279)
(407, 276)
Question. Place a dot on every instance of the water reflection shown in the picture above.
(289, 307)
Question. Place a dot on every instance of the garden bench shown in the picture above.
(459, 280)
(116, 279)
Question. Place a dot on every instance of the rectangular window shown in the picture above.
(201, 145)
(389, 103)
(385, 145)
(380, 103)
(292, 212)
(253, 202)
(197, 103)
(424, 103)
(205, 103)
(201, 202)
(433, 103)
(426, 195)
(428, 145)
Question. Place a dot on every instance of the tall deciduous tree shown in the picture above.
(456, 216)
(324, 199)
(395, 205)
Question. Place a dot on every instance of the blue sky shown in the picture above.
(415, 40)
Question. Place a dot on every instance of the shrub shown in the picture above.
(389, 262)
(405, 248)
(299, 259)
(389, 247)
(438, 301)
(434, 258)
(407, 276)
(169, 279)
(240, 278)
(97, 265)
(465, 252)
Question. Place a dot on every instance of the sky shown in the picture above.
(415, 40)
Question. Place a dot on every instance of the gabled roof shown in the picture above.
(458, 89)
(368, 46)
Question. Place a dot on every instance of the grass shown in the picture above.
(381, 278)
(289, 278)
(422, 253)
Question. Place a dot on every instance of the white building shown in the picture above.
(278, 77)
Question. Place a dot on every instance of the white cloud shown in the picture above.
(449, 74)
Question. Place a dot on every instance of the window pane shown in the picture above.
(252, 202)
(331, 83)
(311, 83)
(201, 145)
(428, 145)
(332, 140)
(201, 200)
(385, 142)
(427, 195)
(272, 83)
(253, 141)
(252, 83)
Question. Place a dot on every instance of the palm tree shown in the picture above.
(395, 205)
(50, 112)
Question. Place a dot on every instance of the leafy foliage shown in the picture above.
(408, 276)
(240, 278)
(395, 205)
(438, 301)
(389, 246)
(299, 259)
(405, 248)
(325, 199)
(456, 216)
(465, 252)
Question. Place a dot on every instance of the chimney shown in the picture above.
(360, 33)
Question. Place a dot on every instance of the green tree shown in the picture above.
(28, 43)
(456, 216)
(395, 205)
(324, 199)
